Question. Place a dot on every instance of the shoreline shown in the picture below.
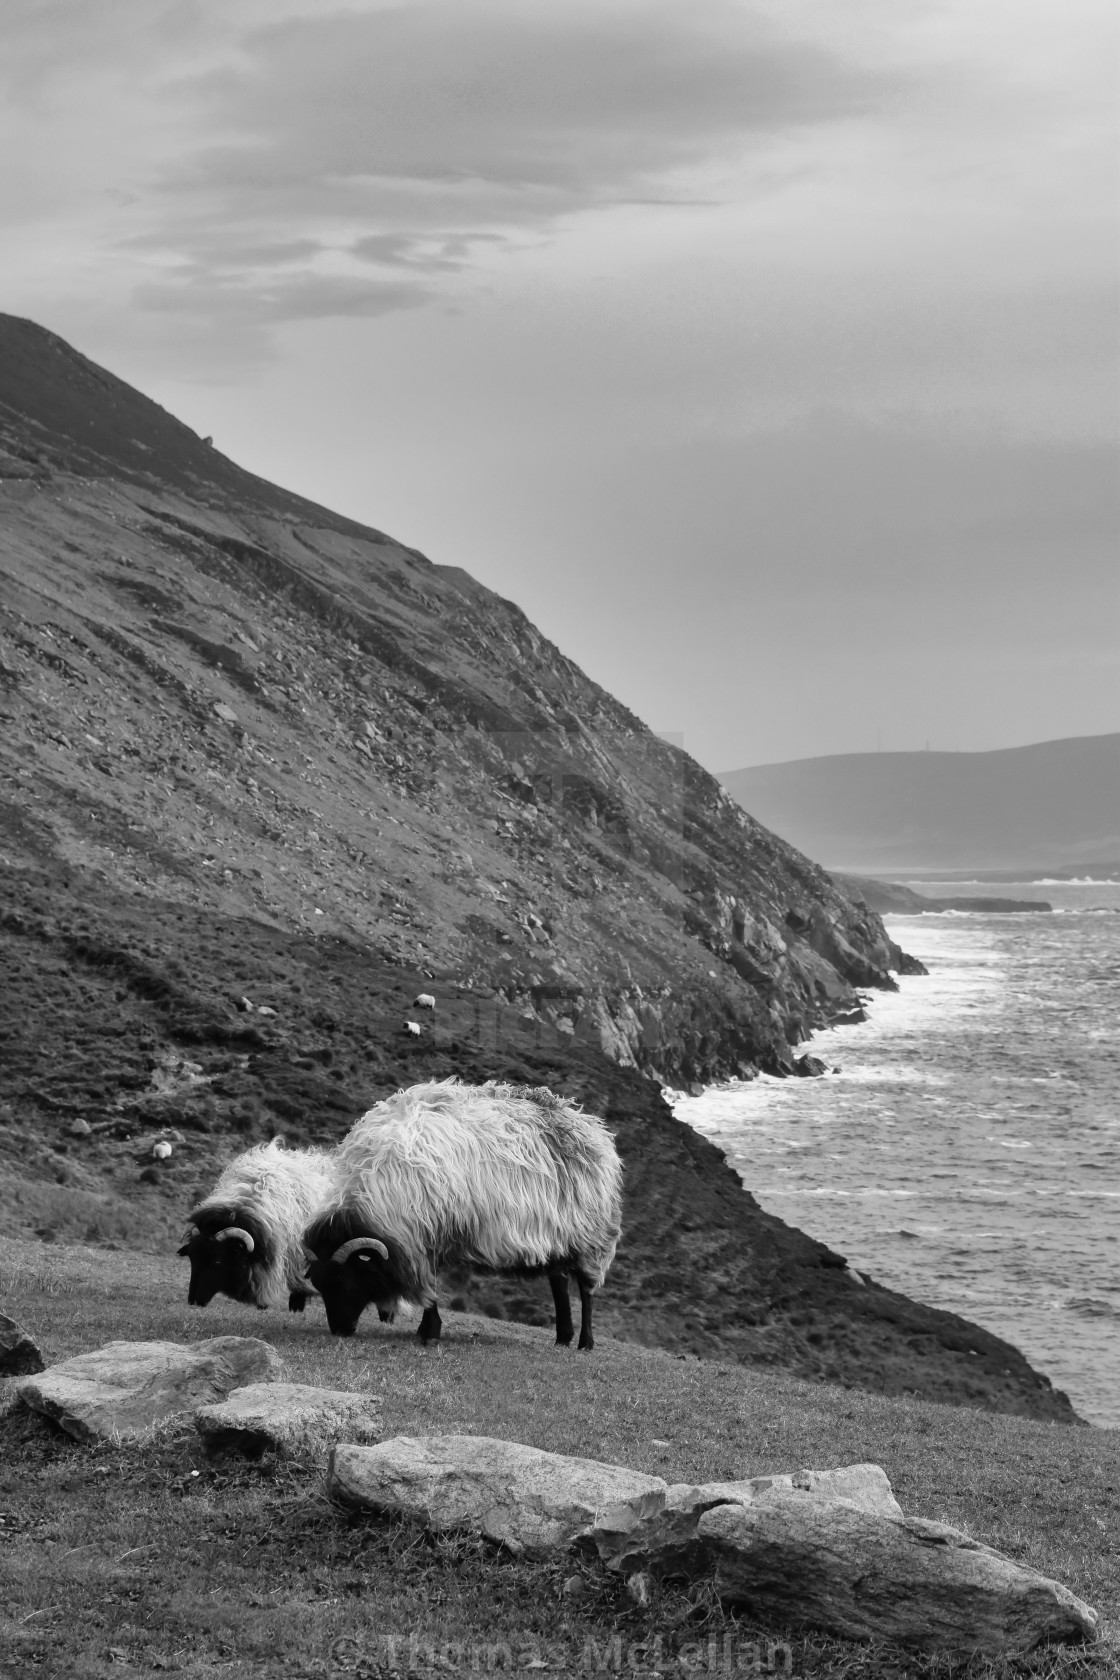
(925, 1181)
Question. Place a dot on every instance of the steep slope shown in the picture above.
(1051, 806)
(121, 1016)
(267, 774)
(223, 694)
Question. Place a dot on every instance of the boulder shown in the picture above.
(19, 1355)
(533, 1502)
(289, 1418)
(637, 1536)
(827, 1564)
(124, 1389)
(832, 1549)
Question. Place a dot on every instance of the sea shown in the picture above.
(965, 1149)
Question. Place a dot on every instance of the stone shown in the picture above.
(19, 1354)
(634, 1536)
(533, 1502)
(124, 1389)
(293, 1419)
(226, 713)
(829, 1565)
(640, 1589)
(832, 1549)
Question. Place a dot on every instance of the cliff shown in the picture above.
(893, 898)
(268, 774)
(216, 692)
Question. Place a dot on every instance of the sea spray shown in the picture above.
(968, 1152)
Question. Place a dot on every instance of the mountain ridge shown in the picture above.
(1049, 805)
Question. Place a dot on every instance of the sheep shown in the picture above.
(424, 1001)
(246, 1237)
(505, 1178)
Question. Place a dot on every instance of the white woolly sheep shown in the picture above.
(424, 1001)
(505, 1178)
(246, 1237)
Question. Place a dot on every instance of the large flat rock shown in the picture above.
(533, 1502)
(641, 1534)
(125, 1388)
(829, 1565)
(289, 1418)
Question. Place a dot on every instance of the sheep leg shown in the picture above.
(430, 1325)
(565, 1329)
(297, 1300)
(586, 1339)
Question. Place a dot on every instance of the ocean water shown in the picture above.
(968, 1151)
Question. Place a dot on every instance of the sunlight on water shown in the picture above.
(968, 1152)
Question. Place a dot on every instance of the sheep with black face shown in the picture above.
(496, 1177)
(245, 1241)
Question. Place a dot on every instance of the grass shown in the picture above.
(140, 1561)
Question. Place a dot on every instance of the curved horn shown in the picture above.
(355, 1246)
(234, 1233)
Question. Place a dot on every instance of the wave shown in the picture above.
(1087, 1306)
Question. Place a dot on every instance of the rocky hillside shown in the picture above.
(268, 773)
(218, 693)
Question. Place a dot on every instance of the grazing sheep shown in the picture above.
(424, 1001)
(501, 1177)
(246, 1240)
(412, 1028)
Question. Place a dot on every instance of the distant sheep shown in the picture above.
(424, 1001)
(412, 1028)
(246, 1237)
(505, 1178)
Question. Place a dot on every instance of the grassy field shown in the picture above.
(141, 1561)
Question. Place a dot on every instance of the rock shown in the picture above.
(19, 1355)
(809, 1067)
(226, 713)
(79, 1128)
(864, 1485)
(640, 1589)
(122, 1390)
(533, 1502)
(832, 1549)
(829, 1565)
(290, 1418)
(636, 1535)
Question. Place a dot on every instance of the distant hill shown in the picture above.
(1049, 807)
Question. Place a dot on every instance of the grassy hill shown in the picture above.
(1048, 807)
(257, 758)
(139, 1561)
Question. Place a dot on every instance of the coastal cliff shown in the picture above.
(268, 774)
(219, 693)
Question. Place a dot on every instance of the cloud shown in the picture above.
(432, 137)
(302, 297)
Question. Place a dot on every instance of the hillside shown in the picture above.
(257, 758)
(1046, 808)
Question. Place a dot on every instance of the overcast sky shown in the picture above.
(765, 351)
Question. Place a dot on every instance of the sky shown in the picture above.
(764, 351)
